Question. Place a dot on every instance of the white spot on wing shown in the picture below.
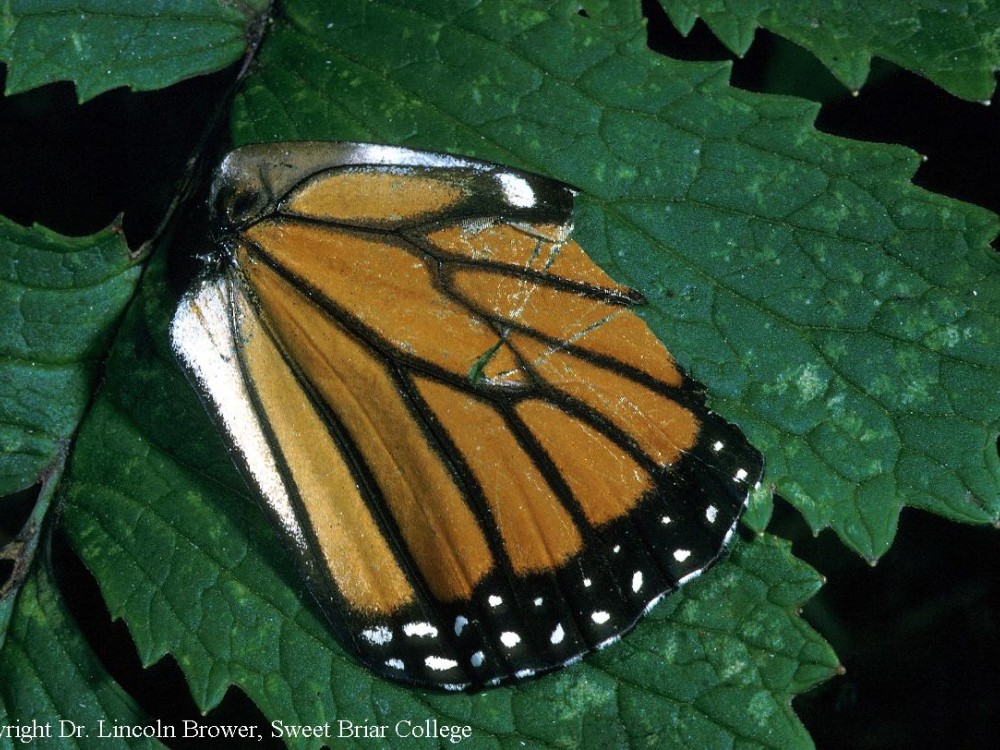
(741, 475)
(420, 629)
(558, 634)
(379, 636)
(516, 190)
(717, 446)
(680, 555)
(587, 582)
(600, 617)
(665, 520)
(477, 659)
(509, 638)
(394, 663)
(460, 623)
(711, 513)
(495, 601)
(637, 581)
(538, 601)
(439, 663)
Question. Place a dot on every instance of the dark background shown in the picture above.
(919, 634)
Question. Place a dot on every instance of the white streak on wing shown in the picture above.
(371, 153)
(202, 336)
(690, 576)
(653, 602)
(729, 534)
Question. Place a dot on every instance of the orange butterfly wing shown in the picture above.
(483, 461)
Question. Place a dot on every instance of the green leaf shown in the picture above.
(52, 683)
(103, 44)
(760, 506)
(955, 45)
(59, 300)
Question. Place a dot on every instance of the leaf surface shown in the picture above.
(53, 688)
(955, 45)
(101, 45)
(59, 300)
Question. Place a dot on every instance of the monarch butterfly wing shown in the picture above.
(503, 467)
(654, 481)
(286, 442)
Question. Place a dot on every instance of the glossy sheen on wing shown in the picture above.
(483, 461)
